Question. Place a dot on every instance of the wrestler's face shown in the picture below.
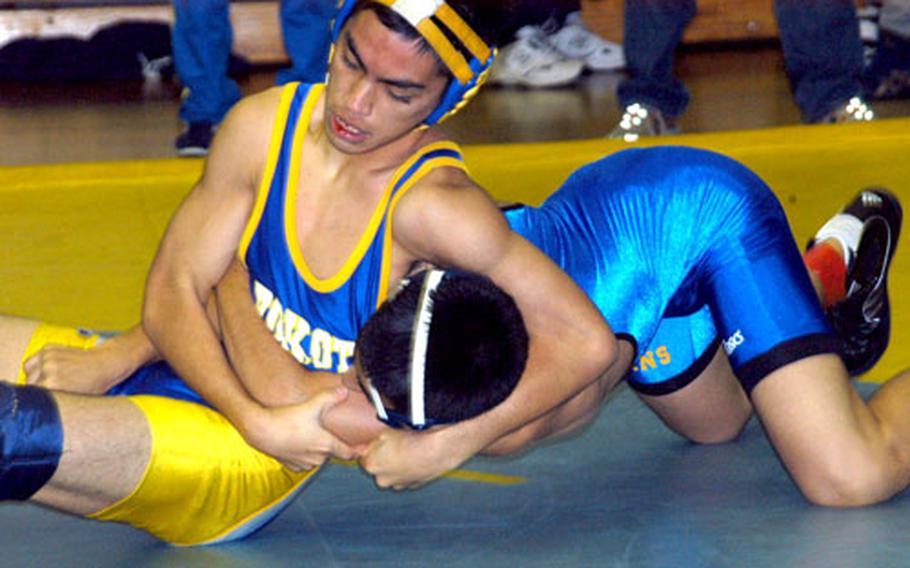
(380, 86)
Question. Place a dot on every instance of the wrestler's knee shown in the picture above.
(720, 432)
(844, 483)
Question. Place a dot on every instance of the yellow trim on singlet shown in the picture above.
(424, 169)
(268, 174)
(335, 281)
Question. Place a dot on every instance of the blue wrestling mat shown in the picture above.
(626, 493)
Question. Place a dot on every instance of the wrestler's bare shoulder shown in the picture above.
(445, 208)
(240, 149)
(253, 117)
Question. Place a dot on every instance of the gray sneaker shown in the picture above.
(854, 110)
(642, 120)
(575, 41)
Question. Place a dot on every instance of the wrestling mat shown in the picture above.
(78, 239)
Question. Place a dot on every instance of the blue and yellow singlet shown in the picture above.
(204, 483)
(317, 320)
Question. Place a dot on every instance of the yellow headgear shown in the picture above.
(432, 19)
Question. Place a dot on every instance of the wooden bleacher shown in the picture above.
(715, 21)
(257, 32)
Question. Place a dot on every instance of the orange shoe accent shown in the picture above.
(826, 262)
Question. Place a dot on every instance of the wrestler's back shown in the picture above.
(633, 228)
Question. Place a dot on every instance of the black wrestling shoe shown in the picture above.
(862, 321)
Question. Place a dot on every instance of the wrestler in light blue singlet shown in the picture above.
(683, 250)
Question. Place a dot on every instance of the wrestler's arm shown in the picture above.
(268, 372)
(92, 371)
(452, 222)
(99, 369)
(274, 377)
(197, 249)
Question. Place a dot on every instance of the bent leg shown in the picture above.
(711, 409)
(203, 483)
(839, 450)
(105, 452)
(684, 376)
(175, 469)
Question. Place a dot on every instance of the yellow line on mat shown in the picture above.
(464, 475)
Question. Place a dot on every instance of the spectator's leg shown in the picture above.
(888, 75)
(306, 26)
(202, 39)
(652, 31)
(823, 53)
(894, 17)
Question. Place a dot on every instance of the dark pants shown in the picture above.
(820, 40)
(202, 37)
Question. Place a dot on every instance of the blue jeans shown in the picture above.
(651, 32)
(202, 37)
(307, 29)
(823, 53)
(820, 40)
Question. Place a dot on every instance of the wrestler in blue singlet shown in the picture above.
(315, 319)
(683, 250)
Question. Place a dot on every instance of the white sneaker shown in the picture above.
(531, 61)
(575, 41)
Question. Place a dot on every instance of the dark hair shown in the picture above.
(476, 350)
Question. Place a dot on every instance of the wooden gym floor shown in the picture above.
(733, 87)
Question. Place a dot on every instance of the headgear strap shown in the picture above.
(419, 342)
(420, 335)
